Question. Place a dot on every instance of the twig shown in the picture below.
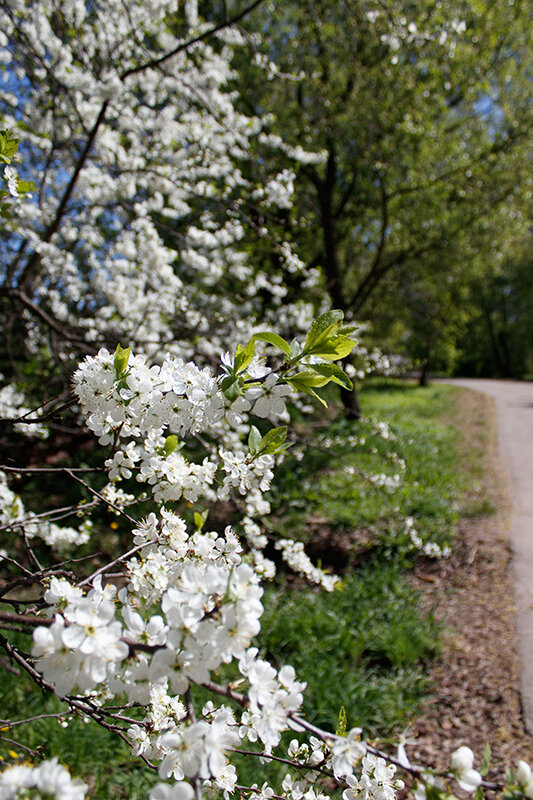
(156, 62)
(118, 560)
(101, 497)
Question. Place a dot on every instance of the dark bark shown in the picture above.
(350, 403)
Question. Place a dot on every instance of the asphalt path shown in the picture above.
(514, 404)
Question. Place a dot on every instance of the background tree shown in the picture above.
(421, 111)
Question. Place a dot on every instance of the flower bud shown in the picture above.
(462, 760)
(523, 774)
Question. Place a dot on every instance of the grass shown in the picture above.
(427, 488)
(360, 647)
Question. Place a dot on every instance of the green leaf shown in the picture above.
(310, 378)
(479, 793)
(200, 518)
(23, 187)
(231, 387)
(333, 348)
(342, 723)
(273, 338)
(432, 793)
(272, 441)
(171, 442)
(302, 387)
(122, 355)
(330, 320)
(348, 329)
(254, 441)
(243, 357)
(294, 349)
(8, 146)
(485, 761)
(335, 374)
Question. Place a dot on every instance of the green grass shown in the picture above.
(430, 485)
(360, 647)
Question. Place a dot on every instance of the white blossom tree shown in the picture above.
(134, 233)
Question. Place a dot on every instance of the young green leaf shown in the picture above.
(243, 357)
(8, 146)
(294, 349)
(200, 518)
(333, 348)
(122, 355)
(231, 387)
(485, 761)
(171, 442)
(302, 387)
(334, 373)
(23, 187)
(326, 323)
(433, 793)
(273, 338)
(310, 378)
(272, 441)
(342, 723)
(254, 441)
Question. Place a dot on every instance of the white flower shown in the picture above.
(177, 791)
(346, 751)
(10, 177)
(269, 397)
(461, 763)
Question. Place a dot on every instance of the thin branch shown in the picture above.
(226, 691)
(156, 62)
(54, 225)
(118, 560)
(100, 496)
(255, 790)
(8, 723)
(70, 470)
(27, 420)
(295, 764)
(52, 323)
(25, 619)
(22, 746)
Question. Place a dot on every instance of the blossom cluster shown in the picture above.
(48, 779)
(14, 516)
(188, 601)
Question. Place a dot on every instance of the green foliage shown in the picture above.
(8, 147)
(122, 355)
(271, 442)
(498, 337)
(422, 113)
(340, 491)
(360, 647)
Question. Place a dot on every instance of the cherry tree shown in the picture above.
(142, 630)
(131, 248)
(140, 164)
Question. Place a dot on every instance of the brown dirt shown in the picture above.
(475, 697)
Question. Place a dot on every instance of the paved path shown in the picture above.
(514, 403)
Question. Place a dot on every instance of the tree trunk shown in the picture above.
(350, 403)
(423, 380)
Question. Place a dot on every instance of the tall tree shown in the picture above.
(419, 109)
(136, 229)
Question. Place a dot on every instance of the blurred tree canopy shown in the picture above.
(423, 113)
